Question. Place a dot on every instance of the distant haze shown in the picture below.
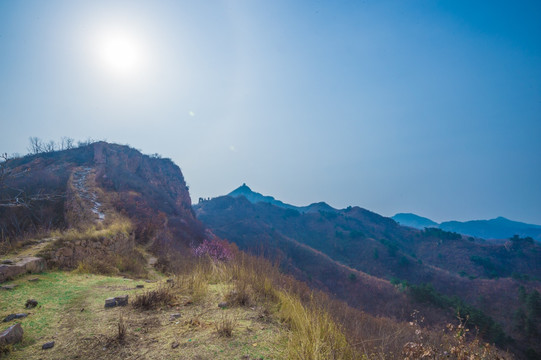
(413, 106)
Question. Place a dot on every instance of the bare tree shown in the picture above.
(36, 145)
(66, 143)
(86, 142)
(49, 147)
(3, 171)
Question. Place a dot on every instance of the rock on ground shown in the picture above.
(31, 303)
(14, 316)
(25, 265)
(47, 345)
(116, 301)
(12, 335)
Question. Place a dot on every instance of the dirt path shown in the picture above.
(80, 179)
(31, 249)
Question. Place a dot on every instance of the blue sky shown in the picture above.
(432, 107)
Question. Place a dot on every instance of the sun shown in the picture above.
(120, 52)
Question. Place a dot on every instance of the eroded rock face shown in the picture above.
(12, 335)
(23, 266)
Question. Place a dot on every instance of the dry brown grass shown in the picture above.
(314, 334)
(121, 329)
(225, 325)
(132, 264)
(154, 299)
(240, 295)
(322, 325)
(195, 283)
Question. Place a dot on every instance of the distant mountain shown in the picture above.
(499, 228)
(255, 197)
(414, 221)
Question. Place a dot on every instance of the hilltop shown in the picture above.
(414, 221)
(255, 197)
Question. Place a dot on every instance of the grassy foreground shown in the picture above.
(241, 309)
(71, 312)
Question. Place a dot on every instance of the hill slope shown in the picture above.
(336, 250)
(60, 185)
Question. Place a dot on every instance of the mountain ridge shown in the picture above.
(255, 197)
(497, 228)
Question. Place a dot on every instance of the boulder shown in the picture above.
(8, 272)
(11, 335)
(47, 345)
(121, 300)
(111, 302)
(14, 316)
(116, 301)
(31, 303)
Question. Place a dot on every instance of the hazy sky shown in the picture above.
(432, 107)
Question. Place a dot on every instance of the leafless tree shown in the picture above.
(3, 171)
(86, 142)
(49, 147)
(36, 145)
(66, 143)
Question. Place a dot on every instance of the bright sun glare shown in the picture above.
(120, 52)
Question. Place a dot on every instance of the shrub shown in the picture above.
(153, 299)
(240, 295)
(195, 282)
(314, 333)
(96, 265)
(224, 326)
(122, 329)
(217, 250)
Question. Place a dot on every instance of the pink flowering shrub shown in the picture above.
(217, 250)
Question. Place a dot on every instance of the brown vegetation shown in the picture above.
(372, 263)
(323, 328)
(153, 299)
